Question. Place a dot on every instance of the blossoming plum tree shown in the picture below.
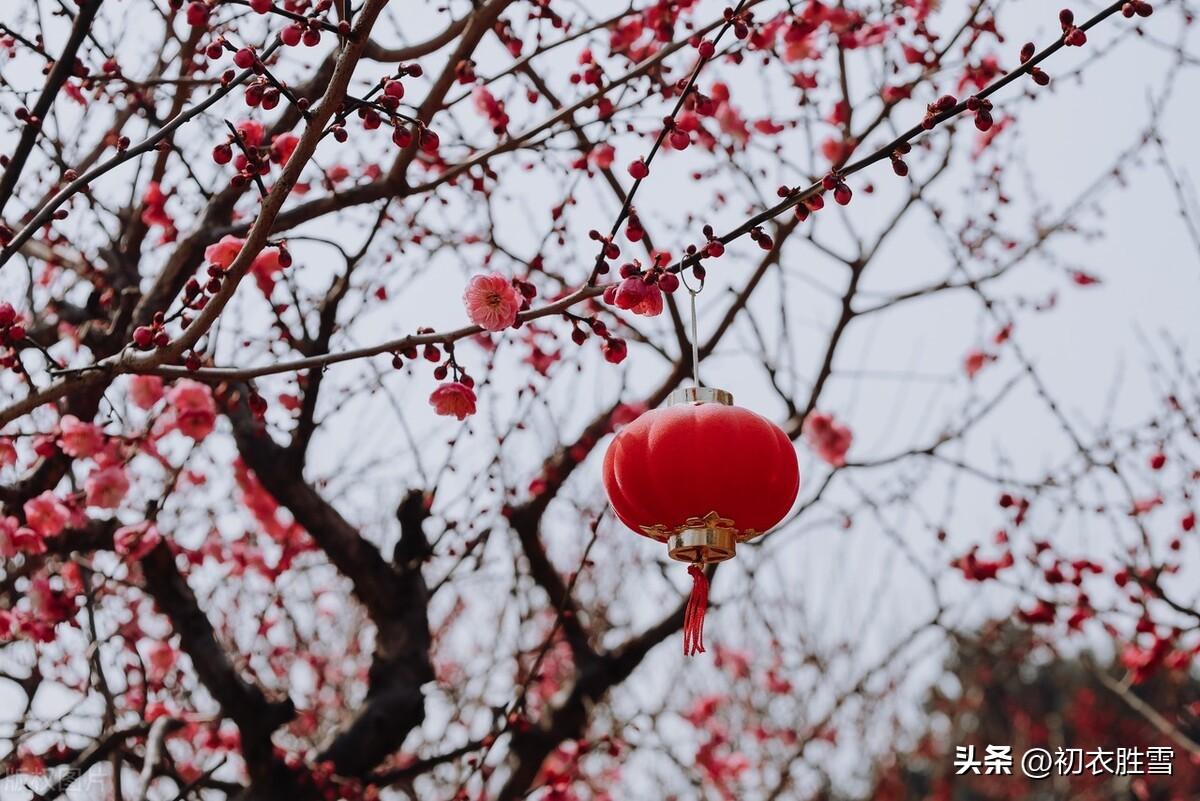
(337, 531)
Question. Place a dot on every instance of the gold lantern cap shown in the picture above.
(685, 395)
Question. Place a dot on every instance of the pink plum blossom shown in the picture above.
(134, 542)
(283, 146)
(975, 361)
(252, 132)
(46, 514)
(107, 486)
(224, 252)
(195, 409)
(829, 439)
(8, 452)
(453, 399)
(637, 296)
(78, 438)
(266, 265)
(145, 391)
(15, 539)
(492, 301)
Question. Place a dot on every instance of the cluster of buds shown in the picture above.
(613, 348)
(253, 159)
(640, 291)
(1073, 36)
(634, 231)
(261, 92)
(740, 21)
(464, 72)
(431, 353)
(390, 96)
(12, 331)
(528, 292)
(701, 104)
(154, 335)
(429, 141)
(713, 247)
(761, 238)
(579, 326)
(983, 111)
(897, 156)
(938, 107)
(806, 207)
(1039, 76)
(309, 30)
(26, 116)
(608, 250)
(589, 71)
(1138, 7)
(677, 137)
(833, 182)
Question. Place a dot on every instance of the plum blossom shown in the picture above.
(251, 132)
(46, 514)
(223, 253)
(602, 156)
(8, 452)
(195, 409)
(51, 605)
(975, 361)
(637, 296)
(154, 212)
(15, 539)
(160, 659)
(134, 542)
(829, 439)
(107, 486)
(266, 265)
(454, 399)
(283, 147)
(78, 438)
(487, 105)
(492, 301)
(145, 391)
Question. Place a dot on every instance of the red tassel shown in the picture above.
(693, 615)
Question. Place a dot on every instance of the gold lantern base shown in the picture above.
(701, 546)
(701, 540)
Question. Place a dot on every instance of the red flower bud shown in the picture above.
(197, 14)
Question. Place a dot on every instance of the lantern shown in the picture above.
(700, 475)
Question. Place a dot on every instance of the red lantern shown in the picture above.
(701, 475)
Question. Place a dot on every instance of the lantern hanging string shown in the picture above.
(695, 335)
(695, 340)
